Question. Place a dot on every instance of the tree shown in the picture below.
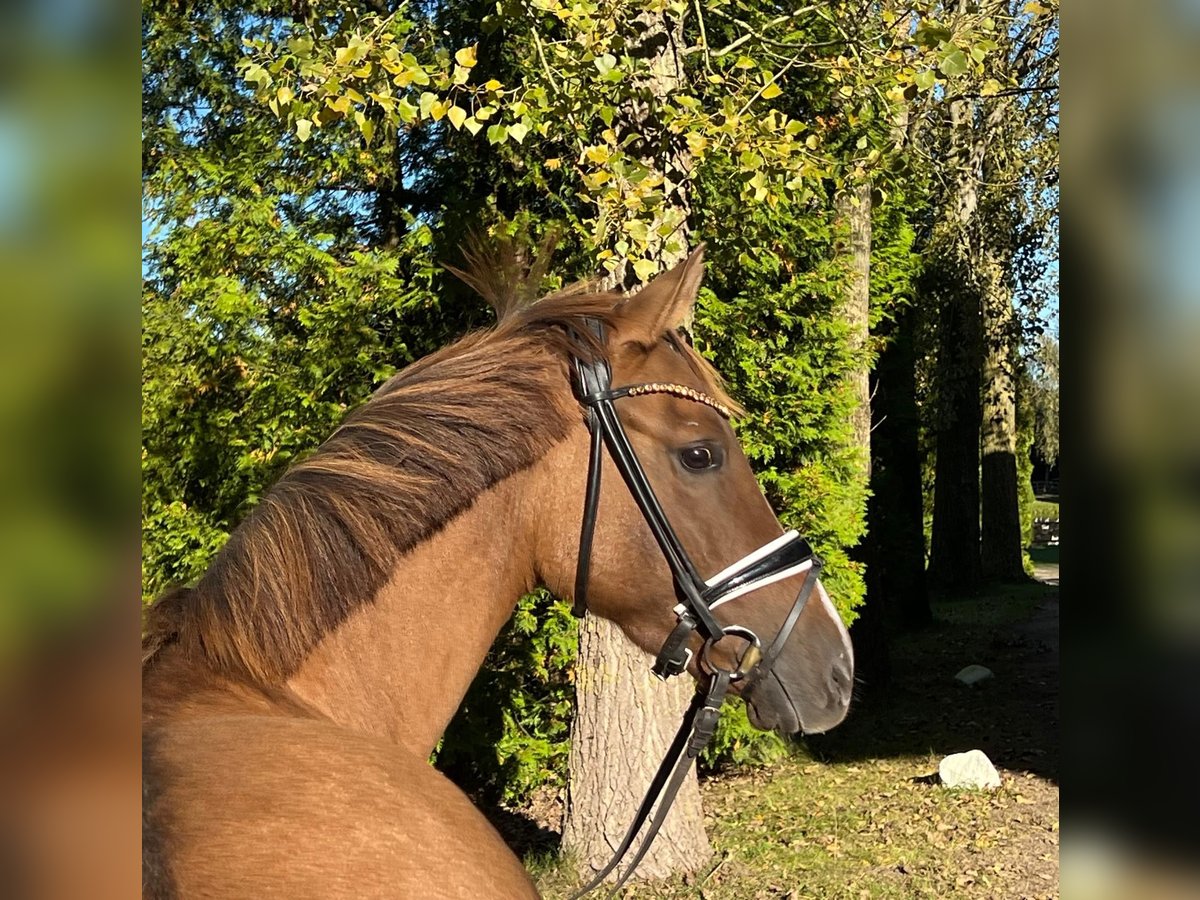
(994, 138)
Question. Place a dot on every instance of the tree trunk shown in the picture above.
(869, 631)
(895, 512)
(1001, 549)
(625, 717)
(954, 562)
(624, 721)
(854, 208)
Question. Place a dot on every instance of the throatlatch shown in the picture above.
(787, 555)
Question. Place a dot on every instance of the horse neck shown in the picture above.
(399, 666)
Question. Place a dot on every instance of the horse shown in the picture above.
(292, 696)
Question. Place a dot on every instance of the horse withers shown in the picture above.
(293, 695)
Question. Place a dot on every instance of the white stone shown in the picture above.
(970, 770)
(974, 674)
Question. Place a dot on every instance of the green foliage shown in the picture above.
(738, 744)
(1026, 501)
(510, 734)
(582, 66)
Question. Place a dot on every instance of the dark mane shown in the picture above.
(329, 533)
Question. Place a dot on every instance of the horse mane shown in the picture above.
(324, 539)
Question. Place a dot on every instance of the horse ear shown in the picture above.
(665, 303)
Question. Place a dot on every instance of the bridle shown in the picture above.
(783, 557)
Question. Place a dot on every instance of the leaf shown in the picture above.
(771, 91)
(644, 269)
(457, 115)
(303, 129)
(425, 104)
(492, 85)
(518, 130)
(407, 112)
(954, 63)
(926, 80)
(497, 134)
(472, 124)
(750, 160)
(285, 95)
(605, 63)
(466, 56)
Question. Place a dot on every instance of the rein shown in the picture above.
(783, 557)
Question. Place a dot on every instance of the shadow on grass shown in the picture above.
(1044, 555)
(1013, 717)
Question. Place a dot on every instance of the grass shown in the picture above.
(1045, 509)
(857, 813)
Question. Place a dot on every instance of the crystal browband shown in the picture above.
(679, 390)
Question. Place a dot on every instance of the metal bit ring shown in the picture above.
(753, 653)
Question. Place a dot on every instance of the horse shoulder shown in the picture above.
(243, 804)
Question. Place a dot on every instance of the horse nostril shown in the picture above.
(840, 680)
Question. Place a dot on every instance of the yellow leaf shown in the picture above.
(457, 115)
(303, 129)
(285, 94)
(771, 91)
(466, 57)
(439, 109)
(493, 85)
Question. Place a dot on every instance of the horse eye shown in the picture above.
(696, 457)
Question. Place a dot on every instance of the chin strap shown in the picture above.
(696, 730)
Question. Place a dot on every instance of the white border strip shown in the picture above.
(763, 582)
(782, 541)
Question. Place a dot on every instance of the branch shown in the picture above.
(752, 33)
(1007, 92)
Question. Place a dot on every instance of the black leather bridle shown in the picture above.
(788, 555)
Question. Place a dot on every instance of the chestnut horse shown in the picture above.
(292, 696)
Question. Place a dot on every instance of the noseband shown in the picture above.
(784, 557)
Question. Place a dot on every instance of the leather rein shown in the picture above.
(788, 555)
